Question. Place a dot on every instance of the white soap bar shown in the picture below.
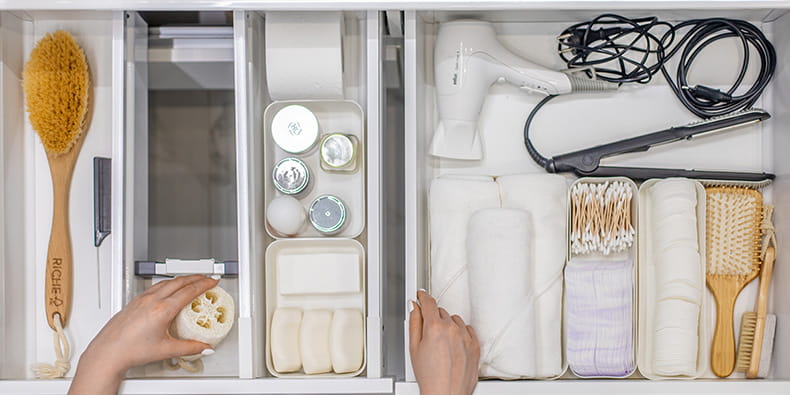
(314, 336)
(285, 340)
(311, 274)
(347, 340)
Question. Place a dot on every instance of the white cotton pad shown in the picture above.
(679, 264)
(316, 274)
(208, 319)
(284, 340)
(675, 230)
(346, 340)
(314, 341)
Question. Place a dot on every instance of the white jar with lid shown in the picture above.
(295, 129)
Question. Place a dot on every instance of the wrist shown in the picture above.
(103, 364)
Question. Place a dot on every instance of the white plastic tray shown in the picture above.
(276, 300)
(647, 289)
(630, 254)
(334, 116)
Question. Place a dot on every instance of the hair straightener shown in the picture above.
(586, 162)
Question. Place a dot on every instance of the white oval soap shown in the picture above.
(286, 215)
(314, 341)
(284, 340)
(208, 319)
(347, 338)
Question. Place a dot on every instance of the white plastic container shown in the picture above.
(276, 299)
(333, 117)
(631, 253)
(647, 288)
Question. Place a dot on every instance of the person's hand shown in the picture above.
(444, 350)
(140, 334)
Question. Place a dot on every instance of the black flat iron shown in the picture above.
(586, 162)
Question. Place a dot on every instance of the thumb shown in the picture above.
(174, 348)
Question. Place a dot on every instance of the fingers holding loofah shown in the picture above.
(208, 318)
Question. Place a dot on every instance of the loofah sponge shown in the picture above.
(208, 319)
(56, 84)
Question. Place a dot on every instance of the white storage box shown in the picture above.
(577, 121)
(216, 207)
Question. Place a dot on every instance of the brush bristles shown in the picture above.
(733, 233)
(746, 341)
(56, 84)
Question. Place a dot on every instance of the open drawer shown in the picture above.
(584, 120)
(183, 127)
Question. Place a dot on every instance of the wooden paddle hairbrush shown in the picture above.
(733, 240)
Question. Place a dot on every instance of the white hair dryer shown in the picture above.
(468, 58)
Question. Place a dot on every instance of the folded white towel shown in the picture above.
(499, 253)
(545, 197)
(453, 200)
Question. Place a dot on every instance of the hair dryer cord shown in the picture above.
(541, 160)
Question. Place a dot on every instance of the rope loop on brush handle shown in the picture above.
(62, 355)
(190, 366)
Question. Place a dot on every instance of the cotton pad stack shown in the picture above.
(678, 277)
(599, 310)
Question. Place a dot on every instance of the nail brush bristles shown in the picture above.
(733, 231)
(601, 219)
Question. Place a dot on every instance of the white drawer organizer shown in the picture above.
(530, 28)
(117, 46)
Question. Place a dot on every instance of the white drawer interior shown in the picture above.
(184, 129)
(583, 120)
(27, 202)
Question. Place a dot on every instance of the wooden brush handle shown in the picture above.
(723, 352)
(58, 284)
(762, 306)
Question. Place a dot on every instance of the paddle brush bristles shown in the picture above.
(56, 84)
(733, 231)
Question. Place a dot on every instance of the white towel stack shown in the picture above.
(499, 247)
(599, 311)
(678, 277)
(453, 200)
(545, 197)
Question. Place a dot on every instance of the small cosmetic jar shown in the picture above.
(295, 129)
(338, 152)
(291, 176)
(328, 214)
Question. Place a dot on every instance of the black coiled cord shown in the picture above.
(624, 50)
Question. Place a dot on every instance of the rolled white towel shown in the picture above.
(545, 197)
(499, 253)
(453, 200)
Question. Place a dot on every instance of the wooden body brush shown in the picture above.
(56, 82)
(758, 328)
(733, 260)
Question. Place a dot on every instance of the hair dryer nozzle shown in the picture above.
(457, 140)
